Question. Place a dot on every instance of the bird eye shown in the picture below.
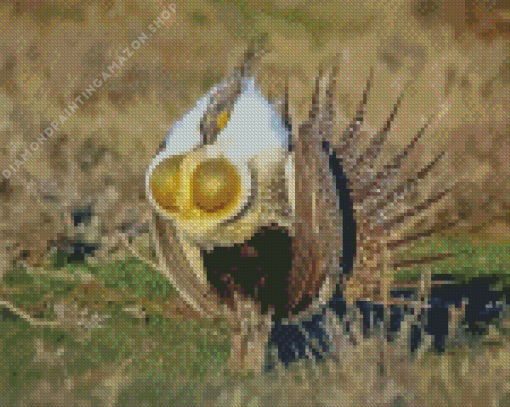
(223, 120)
(166, 183)
(215, 186)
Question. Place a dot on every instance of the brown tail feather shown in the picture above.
(313, 113)
(376, 197)
(417, 209)
(327, 112)
(401, 190)
(366, 159)
(390, 170)
(348, 143)
(408, 239)
(330, 90)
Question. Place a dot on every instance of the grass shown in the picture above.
(118, 341)
(129, 296)
(475, 258)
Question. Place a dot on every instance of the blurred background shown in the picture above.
(120, 335)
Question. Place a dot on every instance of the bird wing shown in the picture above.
(317, 242)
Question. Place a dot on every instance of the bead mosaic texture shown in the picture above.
(254, 203)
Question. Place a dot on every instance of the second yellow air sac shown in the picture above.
(215, 186)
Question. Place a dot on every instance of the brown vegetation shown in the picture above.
(50, 51)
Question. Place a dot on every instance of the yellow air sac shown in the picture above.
(166, 184)
(189, 189)
(215, 187)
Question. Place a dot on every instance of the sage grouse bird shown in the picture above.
(277, 228)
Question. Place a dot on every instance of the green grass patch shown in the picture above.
(168, 361)
(155, 351)
(473, 258)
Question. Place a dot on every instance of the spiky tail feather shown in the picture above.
(369, 244)
(372, 198)
(376, 197)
